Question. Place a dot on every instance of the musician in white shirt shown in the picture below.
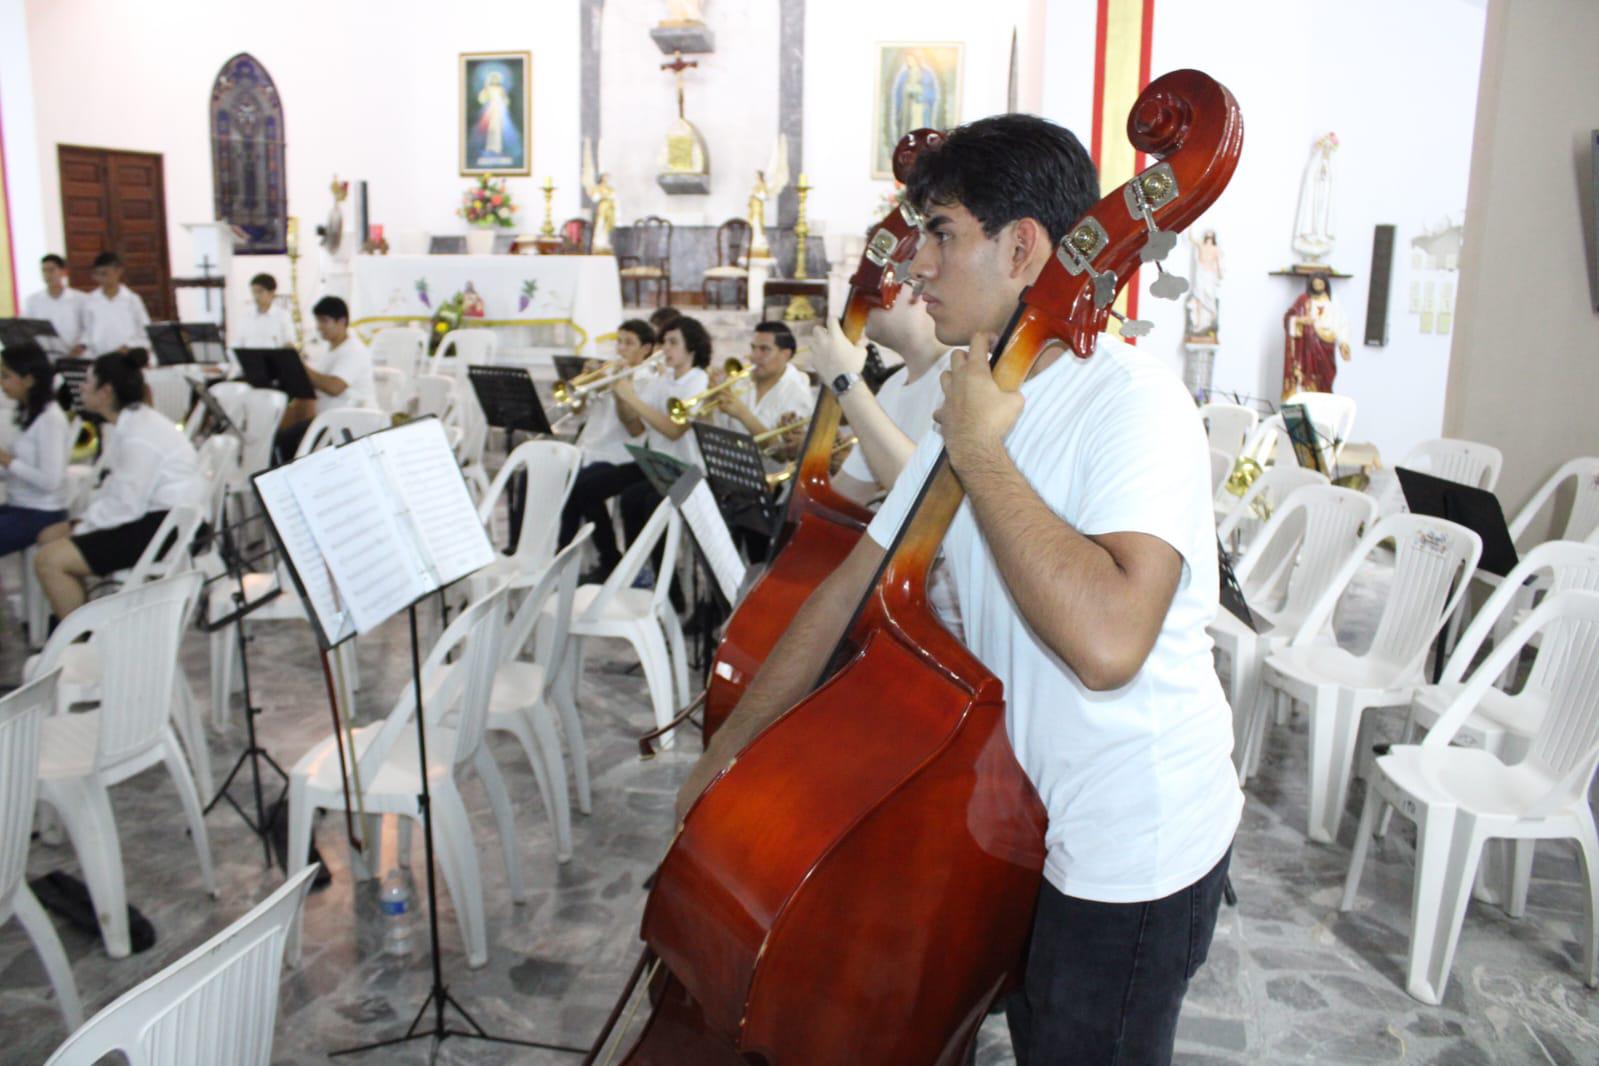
(35, 466)
(152, 469)
(114, 318)
(265, 325)
(58, 304)
(776, 391)
(342, 376)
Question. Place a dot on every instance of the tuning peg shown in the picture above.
(1133, 327)
(1158, 246)
(1168, 286)
(1104, 288)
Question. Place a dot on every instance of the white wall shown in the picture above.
(731, 97)
(23, 190)
(1397, 82)
(1525, 366)
(369, 90)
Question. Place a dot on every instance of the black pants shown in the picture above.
(287, 441)
(1105, 981)
(592, 489)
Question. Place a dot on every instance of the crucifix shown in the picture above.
(678, 66)
(205, 273)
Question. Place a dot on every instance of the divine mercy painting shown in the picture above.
(496, 113)
(918, 85)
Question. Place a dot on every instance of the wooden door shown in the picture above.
(115, 201)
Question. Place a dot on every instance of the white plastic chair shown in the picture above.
(1313, 531)
(404, 348)
(136, 637)
(551, 467)
(461, 348)
(1241, 524)
(1582, 521)
(21, 717)
(329, 427)
(393, 390)
(258, 413)
(1228, 425)
(1221, 464)
(434, 395)
(644, 618)
(386, 756)
(217, 1004)
(1460, 798)
(1333, 416)
(1464, 461)
(1433, 561)
(169, 391)
(525, 690)
(218, 458)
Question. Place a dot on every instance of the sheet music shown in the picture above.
(710, 531)
(295, 536)
(428, 482)
(375, 566)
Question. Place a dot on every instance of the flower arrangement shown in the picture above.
(446, 318)
(487, 202)
(1328, 143)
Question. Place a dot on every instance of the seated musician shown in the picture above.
(265, 324)
(686, 345)
(1084, 557)
(152, 468)
(342, 375)
(33, 467)
(776, 391)
(608, 469)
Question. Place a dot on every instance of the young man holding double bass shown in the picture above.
(1085, 562)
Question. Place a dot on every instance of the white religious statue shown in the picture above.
(496, 104)
(598, 186)
(1204, 291)
(1313, 231)
(684, 12)
(769, 184)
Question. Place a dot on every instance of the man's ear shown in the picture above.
(1029, 244)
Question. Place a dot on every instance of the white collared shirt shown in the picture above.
(272, 328)
(36, 478)
(658, 389)
(351, 363)
(790, 398)
(64, 312)
(152, 467)
(113, 322)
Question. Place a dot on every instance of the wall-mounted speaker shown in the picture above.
(1382, 271)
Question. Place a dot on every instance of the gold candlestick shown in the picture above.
(292, 248)
(549, 216)
(799, 307)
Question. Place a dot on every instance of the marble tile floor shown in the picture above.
(1289, 978)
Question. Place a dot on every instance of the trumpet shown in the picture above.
(779, 431)
(682, 412)
(574, 394)
(777, 477)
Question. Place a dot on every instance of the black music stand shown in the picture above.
(168, 342)
(205, 341)
(1465, 505)
(568, 367)
(1232, 594)
(737, 476)
(73, 372)
(509, 400)
(15, 332)
(276, 368)
(1304, 436)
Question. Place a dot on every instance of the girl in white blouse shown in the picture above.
(35, 467)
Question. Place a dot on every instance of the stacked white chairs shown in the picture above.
(1313, 531)
(387, 768)
(644, 618)
(1433, 561)
(22, 716)
(404, 348)
(84, 754)
(1332, 416)
(550, 467)
(217, 1004)
(1464, 461)
(1228, 425)
(1242, 522)
(1460, 798)
(526, 699)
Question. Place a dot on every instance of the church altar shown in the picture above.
(513, 293)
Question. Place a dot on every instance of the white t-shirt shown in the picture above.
(1142, 796)
(152, 467)
(112, 322)
(604, 438)
(655, 391)
(64, 312)
(270, 329)
(909, 404)
(36, 478)
(790, 397)
(350, 362)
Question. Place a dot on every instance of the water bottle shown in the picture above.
(394, 899)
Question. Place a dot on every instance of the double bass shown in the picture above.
(820, 526)
(857, 886)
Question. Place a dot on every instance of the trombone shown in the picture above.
(574, 394)
(682, 412)
(778, 431)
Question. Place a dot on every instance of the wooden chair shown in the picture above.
(577, 237)
(732, 247)
(651, 261)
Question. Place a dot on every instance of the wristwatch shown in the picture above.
(843, 383)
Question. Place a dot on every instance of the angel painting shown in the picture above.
(769, 184)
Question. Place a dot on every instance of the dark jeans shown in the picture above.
(638, 503)
(21, 526)
(592, 489)
(1105, 981)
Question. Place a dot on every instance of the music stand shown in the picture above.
(1304, 436)
(15, 332)
(659, 469)
(509, 400)
(276, 368)
(206, 335)
(171, 347)
(1465, 505)
(1232, 594)
(73, 372)
(568, 367)
(737, 475)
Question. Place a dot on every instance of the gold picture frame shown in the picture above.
(918, 83)
(496, 113)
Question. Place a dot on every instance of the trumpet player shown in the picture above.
(607, 467)
(775, 392)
